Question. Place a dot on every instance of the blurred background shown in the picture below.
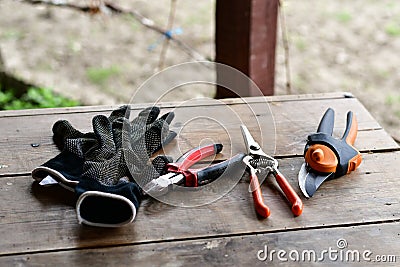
(92, 58)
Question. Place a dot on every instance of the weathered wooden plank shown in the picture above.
(22, 158)
(200, 102)
(366, 244)
(293, 120)
(36, 219)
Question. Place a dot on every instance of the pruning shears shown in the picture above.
(327, 157)
(258, 162)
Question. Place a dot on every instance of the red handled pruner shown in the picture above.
(257, 161)
(179, 172)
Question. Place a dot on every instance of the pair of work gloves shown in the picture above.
(104, 167)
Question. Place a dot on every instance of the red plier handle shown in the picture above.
(198, 177)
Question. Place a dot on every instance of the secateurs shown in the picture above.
(258, 161)
(178, 172)
(327, 157)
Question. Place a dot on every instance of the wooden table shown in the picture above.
(38, 226)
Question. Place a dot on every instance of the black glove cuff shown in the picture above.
(107, 206)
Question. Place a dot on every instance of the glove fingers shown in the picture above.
(158, 134)
(62, 130)
(160, 162)
(168, 117)
(145, 117)
(146, 173)
(150, 114)
(80, 146)
(117, 120)
(120, 129)
(155, 142)
(120, 112)
(103, 130)
(107, 172)
(136, 159)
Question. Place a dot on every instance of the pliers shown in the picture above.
(178, 173)
(257, 161)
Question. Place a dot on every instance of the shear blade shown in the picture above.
(310, 181)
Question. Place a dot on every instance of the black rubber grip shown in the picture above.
(327, 122)
(349, 123)
(211, 173)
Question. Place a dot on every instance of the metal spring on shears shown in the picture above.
(262, 163)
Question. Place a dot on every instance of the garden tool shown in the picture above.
(179, 172)
(259, 163)
(327, 157)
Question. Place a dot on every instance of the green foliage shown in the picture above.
(343, 16)
(12, 34)
(393, 29)
(74, 46)
(100, 76)
(383, 74)
(392, 101)
(389, 100)
(33, 98)
(135, 25)
(300, 42)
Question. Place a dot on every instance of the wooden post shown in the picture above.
(245, 39)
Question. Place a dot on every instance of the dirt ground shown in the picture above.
(98, 59)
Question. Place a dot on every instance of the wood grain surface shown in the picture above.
(284, 129)
(364, 248)
(38, 225)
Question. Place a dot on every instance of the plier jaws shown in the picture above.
(159, 186)
(180, 173)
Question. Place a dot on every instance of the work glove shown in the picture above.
(94, 165)
(108, 191)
